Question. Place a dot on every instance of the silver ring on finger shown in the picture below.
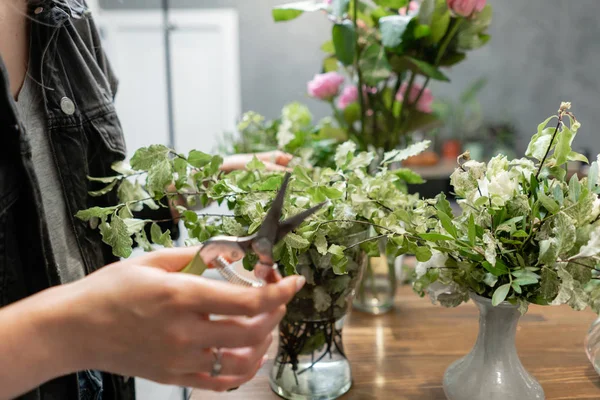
(217, 366)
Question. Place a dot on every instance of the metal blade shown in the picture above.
(292, 223)
(270, 224)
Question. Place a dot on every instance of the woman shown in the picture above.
(61, 320)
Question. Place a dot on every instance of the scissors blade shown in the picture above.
(292, 223)
(270, 224)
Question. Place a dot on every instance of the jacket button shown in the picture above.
(67, 106)
(38, 10)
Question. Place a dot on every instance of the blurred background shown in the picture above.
(227, 57)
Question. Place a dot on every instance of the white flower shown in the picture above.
(522, 166)
(437, 260)
(476, 169)
(496, 166)
(500, 189)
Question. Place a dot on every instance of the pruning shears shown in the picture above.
(221, 251)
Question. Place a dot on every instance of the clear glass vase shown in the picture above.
(592, 345)
(377, 289)
(492, 370)
(311, 363)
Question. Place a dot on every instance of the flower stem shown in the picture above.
(357, 69)
(550, 145)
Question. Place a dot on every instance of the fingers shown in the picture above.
(222, 298)
(276, 167)
(240, 361)
(217, 384)
(239, 332)
(170, 260)
(267, 273)
(275, 157)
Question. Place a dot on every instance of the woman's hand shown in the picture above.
(138, 318)
(273, 160)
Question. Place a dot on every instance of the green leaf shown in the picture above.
(104, 190)
(401, 155)
(593, 175)
(563, 145)
(516, 287)
(439, 25)
(548, 251)
(520, 234)
(443, 205)
(500, 294)
(409, 176)
(392, 29)
(199, 159)
(344, 42)
(422, 253)
(95, 212)
(339, 7)
(321, 299)
(422, 31)
(362, 160)
(536, 148)
(549, 284)
(330, 193)
(435, 237)
(134, 225)
(549, 204)
(158, 237)
(391, 3)
(447, 223)
(147, 157)
(497, 270)
(117, 236)
(296, 241)
(525, 281)
(271, 183)
(108, 179)
(255, 165)
(287, 12)
(574, 188)
(321, 244)
(159, 177)
(427, 69)
(375, 65)
(472, 230)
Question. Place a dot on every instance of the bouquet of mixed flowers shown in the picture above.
(527, 233)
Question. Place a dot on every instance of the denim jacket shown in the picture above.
(86, 138)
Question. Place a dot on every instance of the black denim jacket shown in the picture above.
(86, 138)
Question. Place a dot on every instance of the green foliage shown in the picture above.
(526, 234)
(294, 132)
(327, 248)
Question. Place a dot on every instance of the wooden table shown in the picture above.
(403, 355)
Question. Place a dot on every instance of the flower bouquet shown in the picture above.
(329, 249)
(527, 234)
(391, 49)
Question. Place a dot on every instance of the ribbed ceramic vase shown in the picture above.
(492, 370)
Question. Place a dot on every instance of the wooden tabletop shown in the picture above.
(403, 355)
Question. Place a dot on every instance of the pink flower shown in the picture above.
(325, 86)
(412, 6)
(424, 104)
(349, 95)
(466, 8)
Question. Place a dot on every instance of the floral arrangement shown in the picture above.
(327, 249)
(527, 233)
(391, 49)
(293, 132)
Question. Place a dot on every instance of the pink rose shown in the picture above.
(349, 95)
(466, 8)
(325, 86)
(424, 104)
(412, 6)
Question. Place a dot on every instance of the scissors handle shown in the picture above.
(232, 276)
